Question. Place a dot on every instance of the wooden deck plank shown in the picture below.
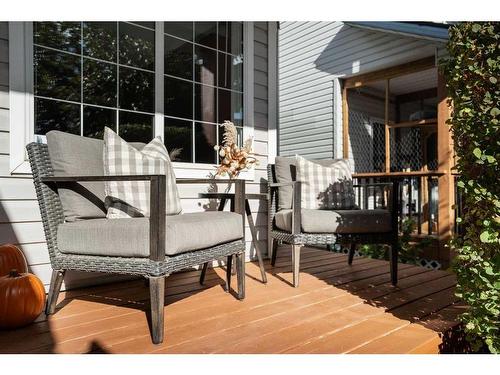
(109, 312)
(130, 345)
(411, 297)
(403, 340)
(313, 326)
(337, 308)
(135, 293)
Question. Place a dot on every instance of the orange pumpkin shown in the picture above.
(22, 298)
(11, 258)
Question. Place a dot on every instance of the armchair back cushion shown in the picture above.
(126, 199)
(73, 155)
(286, 171)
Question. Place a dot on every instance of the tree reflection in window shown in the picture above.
(88, 75)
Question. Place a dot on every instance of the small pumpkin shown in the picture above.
(22, 298)
(12, 258)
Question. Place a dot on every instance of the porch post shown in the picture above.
(345, 124)
(446, 189)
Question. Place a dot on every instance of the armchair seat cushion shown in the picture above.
(337, 221)
(130, 237)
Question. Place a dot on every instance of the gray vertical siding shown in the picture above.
(20, 221)
(311, 56)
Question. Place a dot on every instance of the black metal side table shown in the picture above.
(224, 197)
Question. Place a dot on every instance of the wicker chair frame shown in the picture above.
(297, 238)
(155, 268)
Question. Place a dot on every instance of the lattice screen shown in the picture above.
(367, 146)
(406, 149)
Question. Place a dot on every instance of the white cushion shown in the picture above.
(125, 199)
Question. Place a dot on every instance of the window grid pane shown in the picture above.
(88, 75)
(216, 80)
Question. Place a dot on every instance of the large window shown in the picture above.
(142, 79)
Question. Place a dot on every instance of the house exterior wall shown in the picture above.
(313, 56)
(20, 221)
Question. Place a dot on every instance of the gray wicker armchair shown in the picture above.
(152, 263)
(299, 227)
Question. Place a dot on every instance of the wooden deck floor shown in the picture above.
(337, 309)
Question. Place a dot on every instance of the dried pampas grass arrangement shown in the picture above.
(234, 159)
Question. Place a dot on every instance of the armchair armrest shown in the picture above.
(157, 204)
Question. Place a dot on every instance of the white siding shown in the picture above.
(311, 56)
(19, 214)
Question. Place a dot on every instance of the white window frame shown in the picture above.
(21, 98)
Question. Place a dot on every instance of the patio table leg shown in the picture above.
(222, 204)
(251, 224)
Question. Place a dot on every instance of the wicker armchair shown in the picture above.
(155, 267)
(297, 236)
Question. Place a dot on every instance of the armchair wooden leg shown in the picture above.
(203, 273)
(296, 264)
(55, 286)
(394, 262)
(352, 249)
(240, 272)
(229, 266)
(157, 295)
(274, 244)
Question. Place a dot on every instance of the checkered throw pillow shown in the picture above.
(326, 188)
(125, 199)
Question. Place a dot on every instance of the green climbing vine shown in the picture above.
(472, 74)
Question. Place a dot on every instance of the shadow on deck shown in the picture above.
(337, 309)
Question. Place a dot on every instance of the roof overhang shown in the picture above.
(435, 32)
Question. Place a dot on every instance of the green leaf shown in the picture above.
(489, 270)
(476, 27)
(490, 159)
(495, 111)
(477, 153)
(493, 80)
(485, 237)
